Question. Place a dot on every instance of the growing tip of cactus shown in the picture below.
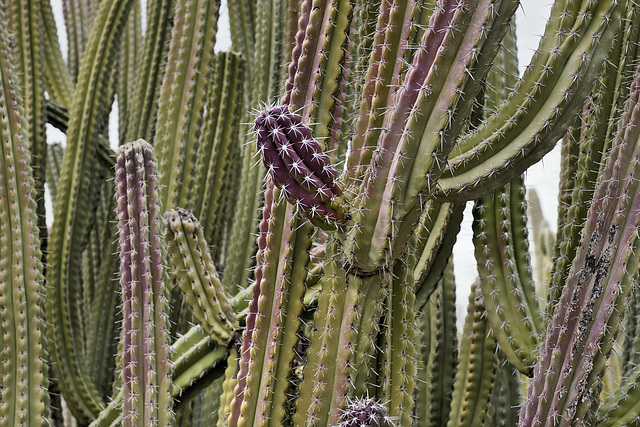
(365, 412)
(298, 166)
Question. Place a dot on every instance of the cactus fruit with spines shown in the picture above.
(377, 122)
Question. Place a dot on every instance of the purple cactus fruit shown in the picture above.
(297, 165)
(365, 412)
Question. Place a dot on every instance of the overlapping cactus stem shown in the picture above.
(181, 100)
(130, 51)
(587, 317)
(266, 77)
(433, 242)
(505, 396)
(596, 131)
(55, 153)
(622, 406)
(77, 18)
(25, 26)
(145, 359)
(476, 368)
(506, 278)
(543, 242)
(421, 121)
(547, 98)
(24, 399)
(197, 276)
(71, 211)
(217, 156)
(56, 74)
(438, 353)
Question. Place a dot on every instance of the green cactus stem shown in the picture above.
(588, 315)
(197, 276)
(77, 22)
(145, 371)
(56, 74)
(24, 399)
(131, 50)
(54, 164)
(71, 212)
(476, 368)
(505, 396)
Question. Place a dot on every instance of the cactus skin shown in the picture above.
(197, 276)
(23, 371)
(365, 412)
(145, 371)
(580, 336)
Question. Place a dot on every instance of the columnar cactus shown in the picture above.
(375, 123)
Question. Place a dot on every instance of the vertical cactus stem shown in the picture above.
(130, 51)
(77, 23)
(580, 335)
(145, 374)
(71, 213)
(476, 368)
(24, 399)
(181, 102)
(228, 385)
(54, 164)
(57, 78)
(197, 276)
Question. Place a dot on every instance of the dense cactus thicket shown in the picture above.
(271, 242)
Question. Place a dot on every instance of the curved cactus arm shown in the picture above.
(242, 23)
(603, 107)
(439, 353)
(542, 105)
(543, 242)
(23, 371)
(77, 19)
(55, 154)
(56, 74)
(218, 148)
(197, 276)
(130, 51)
(181, 102)
(476, 366)
(622, 407)
(434, 239)
(71, 212)
(145, 360)
(586, 320)
(422, 121)
(501, 250)
(151, 68)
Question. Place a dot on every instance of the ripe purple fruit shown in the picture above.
(297, 165)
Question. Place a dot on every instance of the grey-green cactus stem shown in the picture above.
(588, 316)
(476, 368)
(54, 165)
(71, 211)
(24, 399)
(505, 396)
(56, 74)
(145, 371)
(148, 80)
(77, 23)
(131, 51)
(439, 353)
(219, 149)
(181, 102)
(197, 276)
(568, 59)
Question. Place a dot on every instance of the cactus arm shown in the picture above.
(476, 367)
(57, 78)
(407, 159)
(148, 80)
(70, 212)
(197, 276)
(23, 372)
(77, 23)
(505, 397)
(596, 133)
(131, 49)
(622, 407)
(242, 17)
(25, 25)
(580, 336)
(228, 386)
(525, 128)
(501, 249)
(218, 146)
(182, 94)
(54, 164)
(145, 373)
(439, 353)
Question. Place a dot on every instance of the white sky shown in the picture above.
(530, 19)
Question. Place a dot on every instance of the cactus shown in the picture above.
(312, 185)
